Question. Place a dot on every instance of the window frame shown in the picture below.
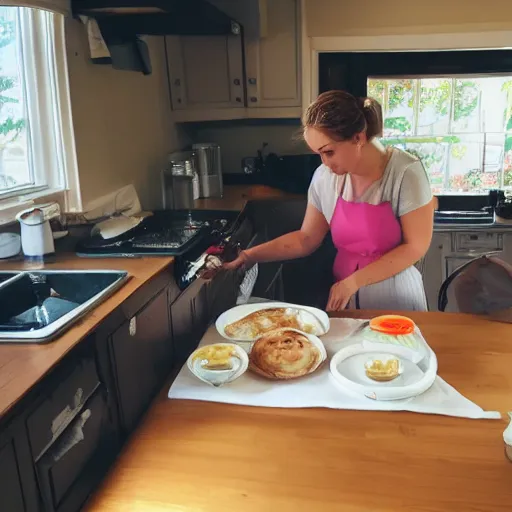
(56, 181)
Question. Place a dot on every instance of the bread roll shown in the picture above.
(284, 354)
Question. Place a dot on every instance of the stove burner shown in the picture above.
(170, 238)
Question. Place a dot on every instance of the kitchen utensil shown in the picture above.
(10, 245)
(36, 233)
(209, 168)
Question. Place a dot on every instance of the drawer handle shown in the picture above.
(73, 437)
(62, 420)
(132, 328)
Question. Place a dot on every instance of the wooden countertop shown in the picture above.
(236, 196)
(23, 365)
(192, 456)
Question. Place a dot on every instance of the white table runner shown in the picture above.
(320, 389)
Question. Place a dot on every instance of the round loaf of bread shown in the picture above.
(284, 354)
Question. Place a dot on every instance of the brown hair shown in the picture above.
(341, 115)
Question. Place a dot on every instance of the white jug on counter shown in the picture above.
(36, 233)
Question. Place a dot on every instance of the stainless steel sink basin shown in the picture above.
(37, 306)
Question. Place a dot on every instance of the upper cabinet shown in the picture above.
(255, 74)
(205, 72)
(272, 60)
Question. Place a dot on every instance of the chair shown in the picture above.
(481, 286)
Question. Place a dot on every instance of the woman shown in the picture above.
(376, 201)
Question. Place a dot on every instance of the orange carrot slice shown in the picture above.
(392, 324)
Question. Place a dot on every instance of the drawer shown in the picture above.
(61, 405)
(222, 292)
(480, 241)
(78, 444)
(453, 263)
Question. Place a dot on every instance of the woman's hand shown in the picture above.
(242, 260)
(341, 292)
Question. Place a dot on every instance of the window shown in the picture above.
(35, 118)
(459, 126)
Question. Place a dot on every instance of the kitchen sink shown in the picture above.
(37, 306)
(463, 217)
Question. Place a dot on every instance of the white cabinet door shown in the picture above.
(272, 50)
(205, 72)
(272, 58)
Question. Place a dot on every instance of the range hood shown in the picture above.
(123, 18)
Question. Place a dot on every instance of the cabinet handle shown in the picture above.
(236, 81)
(235, 28)
(177, 82)
(72, 437)
(239, 100)
(252, 81)
(254, 99)
(132, 326)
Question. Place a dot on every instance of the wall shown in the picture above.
(343, 18)
(238, 139)
(122, 121)
(372, 17)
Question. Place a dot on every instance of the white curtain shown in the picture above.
(59, 6)
(44, 69)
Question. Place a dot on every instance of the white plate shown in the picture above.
(234, 314)
(347, 367)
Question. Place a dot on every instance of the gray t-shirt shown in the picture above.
(404, 184)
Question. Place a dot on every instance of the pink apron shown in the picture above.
(362, 233)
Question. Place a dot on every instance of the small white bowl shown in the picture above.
(217, 378)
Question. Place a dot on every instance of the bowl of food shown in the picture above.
(286, 354)
(219, 363)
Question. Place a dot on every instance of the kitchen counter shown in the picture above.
(23, 365)
(236, 196)
(189, 455)
(449, 228)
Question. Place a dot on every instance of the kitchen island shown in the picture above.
(212, 457)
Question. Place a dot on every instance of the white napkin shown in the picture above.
(320, 389)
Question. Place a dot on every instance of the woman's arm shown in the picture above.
(417, 228)
(296, 244)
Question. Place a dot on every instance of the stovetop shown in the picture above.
(166, 232)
